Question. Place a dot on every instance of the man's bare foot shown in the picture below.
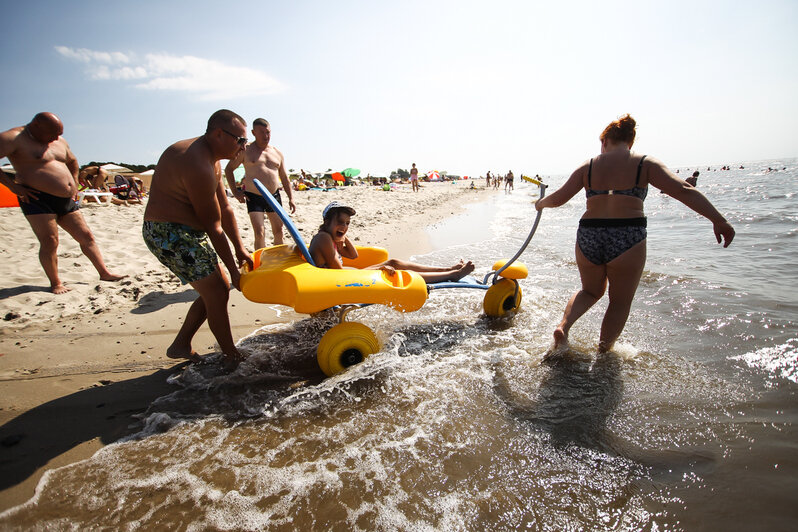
(231, 362)
(183, 354)
(560, 338)
(112, 277)
(60, 289)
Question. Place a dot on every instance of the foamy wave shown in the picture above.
(779, 361)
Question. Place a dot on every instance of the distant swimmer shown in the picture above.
(330, 245)
(611, 239)
(46, 184)
(267, 164)
(693, 180)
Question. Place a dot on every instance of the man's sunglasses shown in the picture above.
(242, 141)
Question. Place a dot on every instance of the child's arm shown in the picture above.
(347, 248)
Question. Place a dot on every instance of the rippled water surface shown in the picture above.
(459, 423)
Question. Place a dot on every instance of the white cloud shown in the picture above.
(205, 78)
(91, 56)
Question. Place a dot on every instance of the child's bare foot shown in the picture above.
(60, 289)
(467, 268)
(231, 362)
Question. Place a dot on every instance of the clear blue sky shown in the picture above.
(459, 86)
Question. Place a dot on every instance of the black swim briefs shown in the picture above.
(257, 203)
(48, 204)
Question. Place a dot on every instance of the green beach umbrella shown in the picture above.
(350, 172)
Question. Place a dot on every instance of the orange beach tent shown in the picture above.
(8, 198)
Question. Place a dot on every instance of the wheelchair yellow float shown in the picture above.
(286, 275)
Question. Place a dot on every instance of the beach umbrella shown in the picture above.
(112, 168)
(337, 176)
(350, 172)
(434, 176)
(145, 178)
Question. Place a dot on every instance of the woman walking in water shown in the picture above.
(611, 239)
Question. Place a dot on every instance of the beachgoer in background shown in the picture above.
(414, 177)
(46, 184)
(693, 180)
(93, 177)
(266, 164)
(508, 182)
(188, 221)
(330, 244)
(611, 240)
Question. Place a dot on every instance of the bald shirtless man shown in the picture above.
(47, 186)
(187, 223)
(265, 163)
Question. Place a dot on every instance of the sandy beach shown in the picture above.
(76, 369)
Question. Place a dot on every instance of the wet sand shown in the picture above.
(76, 369)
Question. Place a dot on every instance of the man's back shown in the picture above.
(182, 164)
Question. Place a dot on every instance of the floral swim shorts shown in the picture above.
(186, 251)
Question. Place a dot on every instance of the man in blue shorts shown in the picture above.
(188, 221)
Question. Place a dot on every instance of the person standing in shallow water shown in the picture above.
(611, 240)
(46, 184)
(188, 221)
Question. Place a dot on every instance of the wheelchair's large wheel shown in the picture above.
(501, 299)
(344, 345)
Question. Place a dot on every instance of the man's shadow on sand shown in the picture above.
(31, 440)
(35, 437)
(155, 301)
(5, 293)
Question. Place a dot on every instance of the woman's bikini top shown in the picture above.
(637, 192)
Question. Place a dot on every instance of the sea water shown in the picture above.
(459, 423)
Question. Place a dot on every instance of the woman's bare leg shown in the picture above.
(594, 282)
(624, 274)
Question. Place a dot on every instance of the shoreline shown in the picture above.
(75, 369)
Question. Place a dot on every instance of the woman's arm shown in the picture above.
(666, 181)
(568, 190)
